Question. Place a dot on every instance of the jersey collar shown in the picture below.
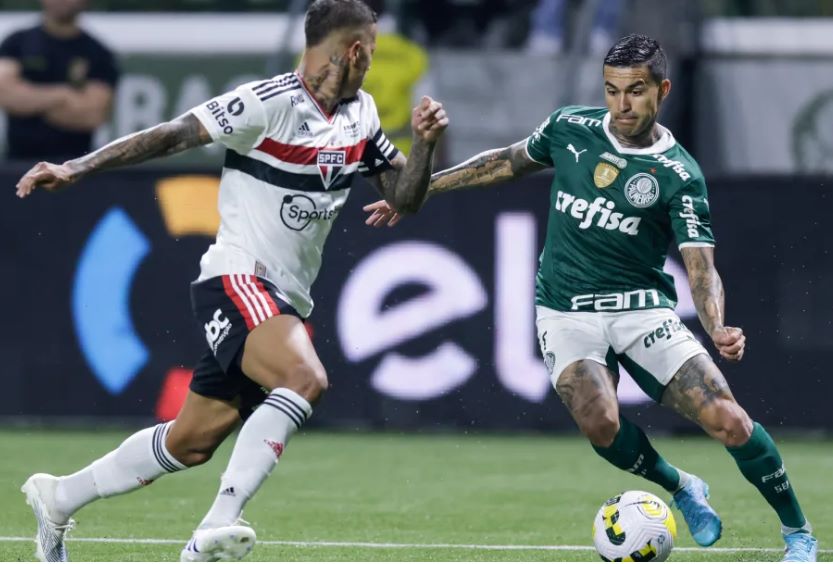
(666, 141)
(321, 110)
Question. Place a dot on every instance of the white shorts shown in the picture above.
(652, 344)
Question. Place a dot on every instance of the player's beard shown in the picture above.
(351, 82)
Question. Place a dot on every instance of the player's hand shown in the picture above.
(45, 175)
(381, 214)
(730, 342)
(428, 120)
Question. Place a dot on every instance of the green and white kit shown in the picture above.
(613, 214)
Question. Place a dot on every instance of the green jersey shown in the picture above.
(613, 213)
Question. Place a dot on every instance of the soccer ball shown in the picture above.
(634, 526)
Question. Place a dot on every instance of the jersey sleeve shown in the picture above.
(237, 119)
(379, 151)
(538, 144)
(690, 216)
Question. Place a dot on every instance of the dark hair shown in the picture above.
(325, 16)
(635, 50)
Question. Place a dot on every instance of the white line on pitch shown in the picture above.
(348, 544)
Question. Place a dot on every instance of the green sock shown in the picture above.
(760, 463)
(632, 451)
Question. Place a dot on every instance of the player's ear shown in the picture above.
(354, 53)
(664, 88)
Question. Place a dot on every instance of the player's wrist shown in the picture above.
(714, 333)
(423, 143)
(77, 169)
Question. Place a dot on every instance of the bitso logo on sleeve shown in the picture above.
(642, 190)
(235, 107)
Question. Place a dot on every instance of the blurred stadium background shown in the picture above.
(427, 330)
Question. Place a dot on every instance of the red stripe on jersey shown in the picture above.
(299, 154)
(272, 305)
(238, 301)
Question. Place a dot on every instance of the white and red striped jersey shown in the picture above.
(287, 173)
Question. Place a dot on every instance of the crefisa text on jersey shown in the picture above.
(692, 222)
(676, 166)
(587, 212)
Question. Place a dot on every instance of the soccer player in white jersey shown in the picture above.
(294, 142)
(623, 190)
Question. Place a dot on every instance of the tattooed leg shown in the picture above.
(699, 392)
(588, 390)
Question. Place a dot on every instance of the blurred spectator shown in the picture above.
(549, 27)
(56, 85)
(398, 65)
(457, 23)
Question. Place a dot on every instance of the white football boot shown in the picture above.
(219, 544)
(52, 526)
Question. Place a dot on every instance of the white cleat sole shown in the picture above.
(221, 544)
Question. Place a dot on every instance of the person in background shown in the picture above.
(548, 23)
(398, 66)
(56, 85)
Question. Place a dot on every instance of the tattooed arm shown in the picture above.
(487, 168)
(164, 139)
(707, 293)
(404, 187)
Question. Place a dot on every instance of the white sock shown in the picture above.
(807, 528)
(685, 478)
(139, 460)
(256, 452)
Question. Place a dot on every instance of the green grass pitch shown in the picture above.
(409, 497)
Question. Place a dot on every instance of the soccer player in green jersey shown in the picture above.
(623, 188)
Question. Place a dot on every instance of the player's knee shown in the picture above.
(308, 381)
(189, 454)
(737, 427)
(602, 427)
(196, 457)
(728, 422)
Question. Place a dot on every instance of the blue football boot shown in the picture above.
(702, 520)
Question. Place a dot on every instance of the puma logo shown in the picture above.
(573, 151)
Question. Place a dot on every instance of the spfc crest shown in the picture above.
(330, 164)
(604, 175)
